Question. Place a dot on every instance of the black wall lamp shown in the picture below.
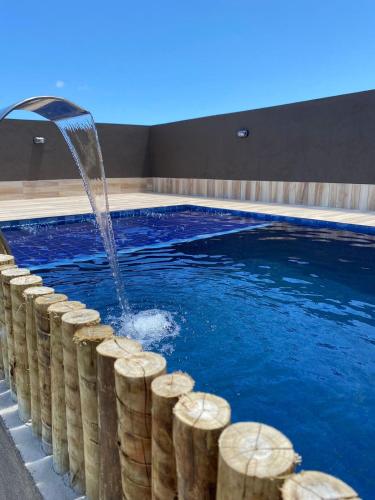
(242, 133)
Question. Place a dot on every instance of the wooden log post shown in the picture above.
(2, 373)
(199, 419)
(87, 338)
(6, 276)
(133, 378)
(166, 391)
(17, 287)
(6, 262)
(6, 259)
(59, 438)
(42, 325)
(70, 322)
(309, 485)
(254, 460)
(109, 462)
(30, 295)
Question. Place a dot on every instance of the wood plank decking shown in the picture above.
(49, 207)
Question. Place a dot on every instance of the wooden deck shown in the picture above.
(49, 207)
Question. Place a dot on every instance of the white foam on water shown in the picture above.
(149, 327)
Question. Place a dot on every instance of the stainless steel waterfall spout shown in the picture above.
(50, 107)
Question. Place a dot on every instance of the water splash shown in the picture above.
(82, 139)
(151, 327)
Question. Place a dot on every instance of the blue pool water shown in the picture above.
(59, 240)
(277, 318)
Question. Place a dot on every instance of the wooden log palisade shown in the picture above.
(86, 339)
(133, 377)
(166, 391)
(59, 437)
(122, 426)
(6, 276)
(42, 324)
(17, 287)
(109, 462)
(70, 323)
(31, 294)
(199, 419)
(6, 262)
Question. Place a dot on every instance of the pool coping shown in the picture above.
(134, 212)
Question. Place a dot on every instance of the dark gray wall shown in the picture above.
(124, 151)
(327, 140)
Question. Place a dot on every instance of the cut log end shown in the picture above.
(118, 347)
(7, 266)
(36, 291)
(141, 365)
(254, 460)
(257, 450)
(93, 333)
(29, 280)
(6, 259)
(45, 301)
(312, 484)
(203, 411)
(60, 308)
(84, 317)
(14, 272)
(172, 385)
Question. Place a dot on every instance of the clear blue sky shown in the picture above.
(156, 61)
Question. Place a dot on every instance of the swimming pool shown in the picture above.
(278, 318)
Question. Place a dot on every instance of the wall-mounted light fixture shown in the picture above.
(242, 133)
(39, 140)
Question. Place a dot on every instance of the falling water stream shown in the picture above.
(81, 137)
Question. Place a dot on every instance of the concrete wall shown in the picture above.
(325, 140)
(124, 150)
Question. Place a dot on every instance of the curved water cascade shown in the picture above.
(78, 129)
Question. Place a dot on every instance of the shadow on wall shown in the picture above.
(36, 159)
